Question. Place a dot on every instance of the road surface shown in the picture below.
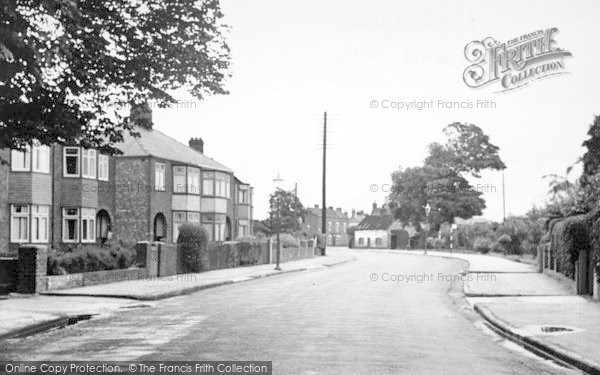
(383, 313)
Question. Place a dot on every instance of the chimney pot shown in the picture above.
(197, 144)
(316, 206)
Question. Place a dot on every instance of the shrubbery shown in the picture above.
(483, 245)
(288, 240)
(90, 258)
(192, 242)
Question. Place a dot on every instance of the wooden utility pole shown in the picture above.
(503, 200)
(324, 210)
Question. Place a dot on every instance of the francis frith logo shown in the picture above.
(514, 63)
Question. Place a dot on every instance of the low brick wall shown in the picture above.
(8, 275)
(92, 278)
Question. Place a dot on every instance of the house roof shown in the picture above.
(154, 143)
(376, 222)
(330, 213)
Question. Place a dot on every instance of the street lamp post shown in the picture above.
(427, 212)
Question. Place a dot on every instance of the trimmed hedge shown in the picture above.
(192, 242)
(89, 259)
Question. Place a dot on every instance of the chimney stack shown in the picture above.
(339, 210)
(374, 206)
(197, 144)
(353, 213)
(316, 206)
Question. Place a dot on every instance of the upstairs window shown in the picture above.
(222, 185)
(244, 196)
(71, 161)
(20, 160)
(208, 183)
(103, 167)
(40, 161)
(159, 177)
(88, 164)
(179, 179)
(193, 180)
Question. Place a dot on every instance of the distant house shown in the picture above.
(381, 230)
(337, 222)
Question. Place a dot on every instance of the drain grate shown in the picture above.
(543, 330)
(554, 329)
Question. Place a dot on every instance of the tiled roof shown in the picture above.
(376, 222)
(157, 144)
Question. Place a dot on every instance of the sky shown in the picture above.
(293, 60)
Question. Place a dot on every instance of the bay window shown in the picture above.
(222, 185)
(208, 222)
(39, 223)
(193, 180)
(20, 160)
(208, 183)
(88, 225)
(70, 224)
(179, 179)
(19, 223)
(40, 161)
(88, 163)
(178, 219)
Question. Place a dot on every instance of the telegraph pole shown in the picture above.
(324, 210)
(503, 200)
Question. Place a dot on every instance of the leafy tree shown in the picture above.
(71, 70)
(291, 211)
(441, 182)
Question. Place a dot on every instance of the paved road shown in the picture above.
(330, 321)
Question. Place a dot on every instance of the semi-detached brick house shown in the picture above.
(63, 195)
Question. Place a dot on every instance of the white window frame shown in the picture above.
(88, 222)
(70, 217)
(178, 171)
(103, 167)
(19, 213)
(179, 217)
(193, 217)
(208, 183)
(78, 155)
(40, 159)
(88, 163)
(24, 157)
(159, 177)
(193, 180)
(40, 218)
(208, 223)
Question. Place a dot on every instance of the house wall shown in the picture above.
(132, 217)
(373, 235)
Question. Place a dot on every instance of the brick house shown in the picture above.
(55, 195)
(165, 183)
(380, 230)
(63, 195)
(337, 222)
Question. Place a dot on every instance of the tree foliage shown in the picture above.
(71, 70)
(441, 182)
(291, 211)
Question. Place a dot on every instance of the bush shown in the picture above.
(528, 247)
(497, 248)
(249, 251)
(430, 242)
(192, 242)
(89, 259)
(287, 240)
(482, 245)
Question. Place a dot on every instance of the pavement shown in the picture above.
(379, 314)
(540, 312)
(23, 315)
